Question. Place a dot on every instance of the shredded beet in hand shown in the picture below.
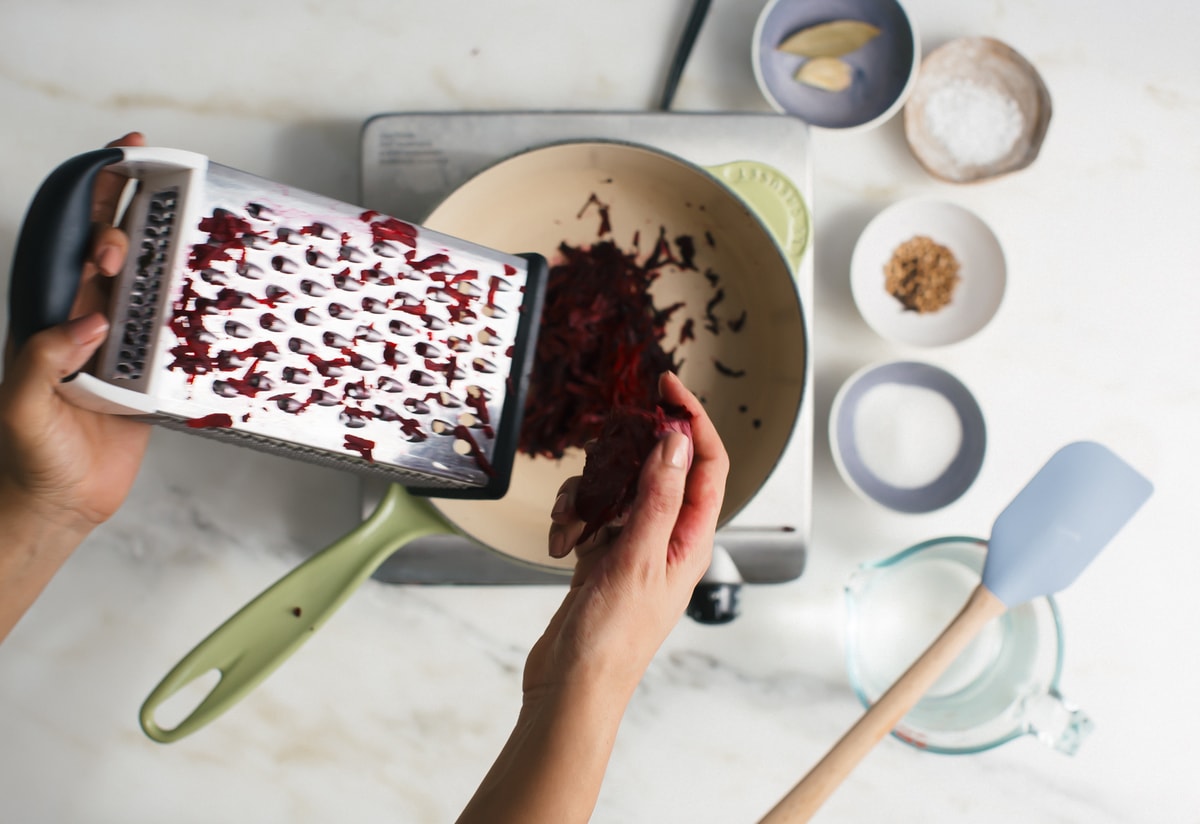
(600, 343)
(599, 347)
(614, 462)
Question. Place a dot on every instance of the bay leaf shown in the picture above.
(830, 39)
(829, 73)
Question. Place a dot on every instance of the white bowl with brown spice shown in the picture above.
(927, 273)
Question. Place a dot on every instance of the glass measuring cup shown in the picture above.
(1004, 685)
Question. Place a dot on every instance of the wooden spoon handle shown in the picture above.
(807, 796)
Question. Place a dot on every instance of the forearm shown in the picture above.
(553, 764)
(32, 549)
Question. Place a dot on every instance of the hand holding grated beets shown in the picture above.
(609, 483)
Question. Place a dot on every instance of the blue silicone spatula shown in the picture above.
(1040, 543)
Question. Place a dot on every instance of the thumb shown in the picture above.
(55, 353)
(660, 495)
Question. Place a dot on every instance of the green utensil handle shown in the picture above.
(775, 199)
(259, 637)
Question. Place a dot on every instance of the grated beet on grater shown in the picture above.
(287, 321)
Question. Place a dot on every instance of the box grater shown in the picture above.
(280, 319)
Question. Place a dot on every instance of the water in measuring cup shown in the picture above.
(904, 607)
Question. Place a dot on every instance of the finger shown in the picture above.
(705, 439)
(109, 247)
(705, 489)
(564, 502)
(52, 355)
(565, 526)
(563, 537)
(110, 185)
(105, 260)
(660, 495)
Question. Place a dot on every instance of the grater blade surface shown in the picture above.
(287, 321)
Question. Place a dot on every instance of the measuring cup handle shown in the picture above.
(1056, 721)
(264, 633)
(53, 245)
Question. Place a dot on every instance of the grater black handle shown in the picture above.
(53, 245)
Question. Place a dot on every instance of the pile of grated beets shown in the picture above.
(599, 346)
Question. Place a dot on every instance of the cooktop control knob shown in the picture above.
(715, 598)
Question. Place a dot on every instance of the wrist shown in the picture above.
(35, 545)
(37, 523)
(582, 709)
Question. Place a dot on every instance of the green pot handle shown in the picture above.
(250, 645)
(775, 199)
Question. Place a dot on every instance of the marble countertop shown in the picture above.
(397, 707)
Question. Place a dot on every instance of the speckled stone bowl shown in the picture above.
(978, 110)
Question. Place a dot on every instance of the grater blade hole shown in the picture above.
(318, 259)
(292, 374)
(237, 330)
(272, 323)
(249, 270)
(308, 317)
(322, 398)
(346, 283)
(277, 294)
(352, 421)
(288, 404)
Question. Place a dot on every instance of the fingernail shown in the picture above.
(87, 328)
(557, 544)
(109, 259)
(560, 505)
(675, 450)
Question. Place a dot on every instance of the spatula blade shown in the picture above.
(1060, 521)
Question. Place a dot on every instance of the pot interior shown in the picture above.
(750, 379)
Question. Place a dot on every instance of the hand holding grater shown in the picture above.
(290, 322)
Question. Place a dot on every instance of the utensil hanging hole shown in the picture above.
(183, 702)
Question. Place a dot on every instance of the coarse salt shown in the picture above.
(976, 124)
(907, 436)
